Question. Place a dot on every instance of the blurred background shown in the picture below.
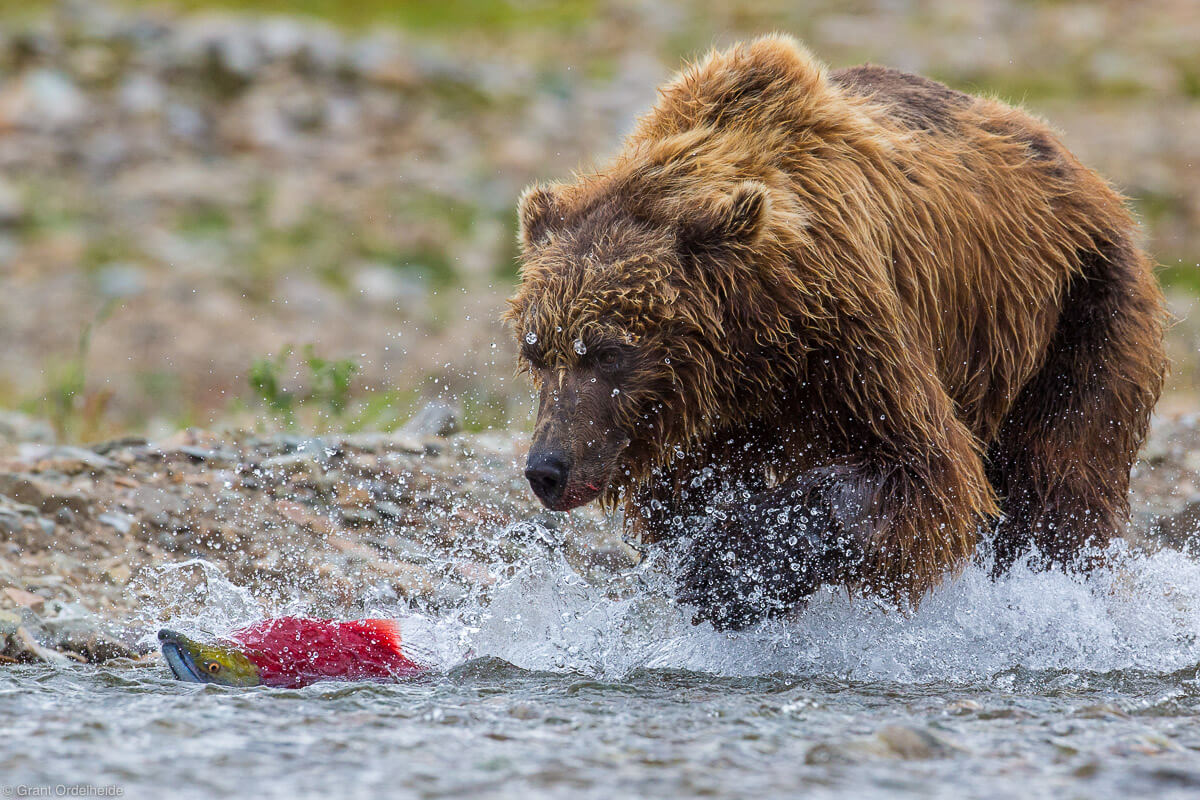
(301, 214)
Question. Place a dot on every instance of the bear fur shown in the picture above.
(829, 326)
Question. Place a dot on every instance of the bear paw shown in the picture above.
(765, 558)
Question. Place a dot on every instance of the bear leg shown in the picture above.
(894, 504)
(770, 553)
(1062, 457)
(889, 528)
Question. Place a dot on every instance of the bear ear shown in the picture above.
(536, 211)
(734, 220)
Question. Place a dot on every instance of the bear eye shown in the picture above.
(608, 360)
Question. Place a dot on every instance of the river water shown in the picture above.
(1036, 685)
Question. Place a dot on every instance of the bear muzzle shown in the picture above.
(547, 473)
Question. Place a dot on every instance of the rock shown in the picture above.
(42, 494)
(93, 63)
(359, 517)
(10, 522)
(142, 94)
(156, 502)
(390, 510)
(436, 418)
(80, 636)
(410, 580)
(292, 465)
(65, 459)
(216, 458)
(894, 741)
(395, 443)
(1101, 711)
(524, 711)
(118, 574)
(852, 752)
(281, 37)
(379, 57)
(910, 743)
(38, 652)
(18, 427)
(120, 522)
(9, 621)
(123, 443)
(24, 598)
(408, 549)
(963, 707)
(187, 123)
(44, 99)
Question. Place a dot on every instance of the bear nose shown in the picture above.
(547, 474)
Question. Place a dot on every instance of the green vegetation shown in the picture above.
(76, 412)
(326, 392)
(445, 15)
(204, 219)
(1183, 275)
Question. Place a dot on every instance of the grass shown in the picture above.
(326, 391)
(76, 412)
(1183, 275)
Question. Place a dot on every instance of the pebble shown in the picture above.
(901, 742)
(913, 744)
(436, 418)
(45, 100)
(359, 517)
(24, 598)
(43, 494)
(10, 522)
(118, 521)
(62, 458)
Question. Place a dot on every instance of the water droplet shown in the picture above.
(531, 338)
(580, 347)
(616, 392)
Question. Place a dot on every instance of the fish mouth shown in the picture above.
(178, 658)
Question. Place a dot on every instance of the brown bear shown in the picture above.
(828, 327)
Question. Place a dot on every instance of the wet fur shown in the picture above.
(918, 294)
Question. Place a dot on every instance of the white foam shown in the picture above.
(1142, 613)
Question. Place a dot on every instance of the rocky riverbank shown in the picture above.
(331, 524)
(184, 193)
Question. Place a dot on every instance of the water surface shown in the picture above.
(554, 686)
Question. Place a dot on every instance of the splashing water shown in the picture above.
(552, 684)
(194, 594)
(1141, 613)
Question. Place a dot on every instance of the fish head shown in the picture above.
(198, 662)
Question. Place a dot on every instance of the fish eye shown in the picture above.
(213, 666)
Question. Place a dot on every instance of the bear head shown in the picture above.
(621, 320)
